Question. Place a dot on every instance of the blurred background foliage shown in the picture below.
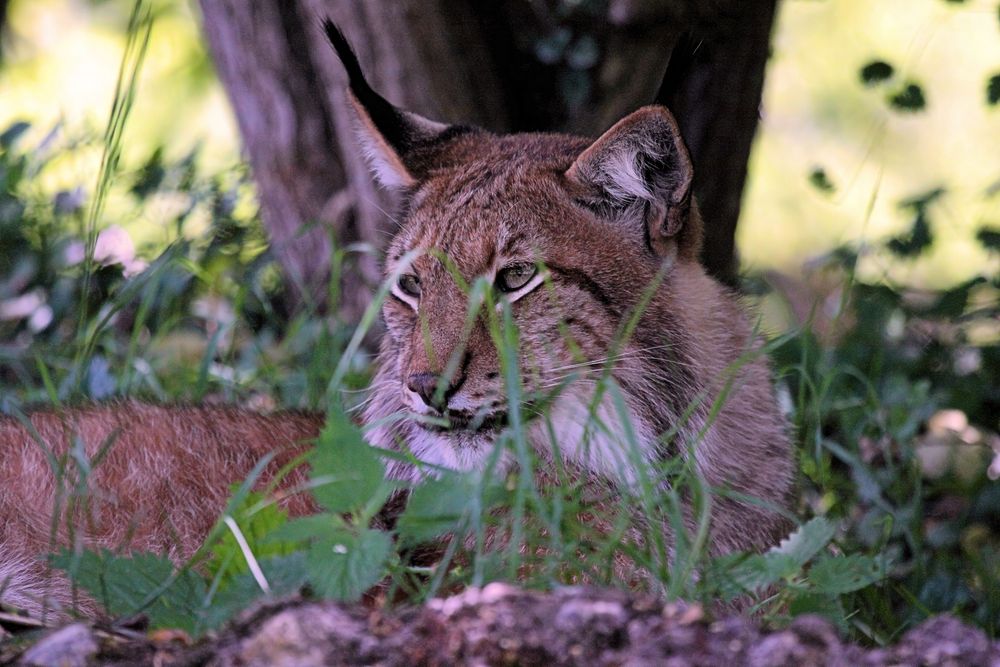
(818, 120)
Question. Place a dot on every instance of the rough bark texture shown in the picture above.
(459, 61)
(501, 625)
(714, 85)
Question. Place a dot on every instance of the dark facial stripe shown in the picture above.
(583, 281)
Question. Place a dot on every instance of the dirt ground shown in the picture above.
(500, 625)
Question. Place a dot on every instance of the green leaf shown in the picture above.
(807, 541)
(285, 575)
(124, 584)
(346, 565)
(989, 237)
(826, 606)
(760, 570)
(910, 98)
(993, 90)
(440, 506)
(916, 241)
(10, 136)
(819, 180)
(844, 574)
(876, 72)
(309, 528)
(348, 471)
(256, 529)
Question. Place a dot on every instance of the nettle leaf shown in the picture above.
(807, 541)
(876, 72)
(993, 90)
(819, 180)
(844, 574)
(909, 98)
(444, 505)
(344, 566)
(124, 584)
(285, 575)
(308, 528)
(989, 237)
(347, 470)
(760, 570)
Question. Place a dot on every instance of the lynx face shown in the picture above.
(593, 247)
(507, 216)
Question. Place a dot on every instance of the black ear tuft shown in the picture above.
(386, 117)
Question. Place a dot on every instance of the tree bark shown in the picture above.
(475, 63)
(713, 85)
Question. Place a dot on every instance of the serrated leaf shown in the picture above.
(876, 72)
(993, 90)
(909, 98)
(345, 566)
(845, 574)
(761, 570)
(440, 506)
(347, 470)
(819, 180)
(807, 541)
(285, 575)
(123, 584)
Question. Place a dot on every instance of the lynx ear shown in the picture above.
(392, 138)
(641, 170)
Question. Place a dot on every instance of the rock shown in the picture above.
(71, 646)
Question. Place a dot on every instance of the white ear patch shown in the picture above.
(385, 162)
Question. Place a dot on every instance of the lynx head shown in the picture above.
(568, 231)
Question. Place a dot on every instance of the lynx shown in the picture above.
(589, 246)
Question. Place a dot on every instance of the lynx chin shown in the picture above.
(628, 353)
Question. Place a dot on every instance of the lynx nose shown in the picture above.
(424, 385)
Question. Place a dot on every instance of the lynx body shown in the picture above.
(591, 245)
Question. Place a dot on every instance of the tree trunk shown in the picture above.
(476, 63)
(713, 85)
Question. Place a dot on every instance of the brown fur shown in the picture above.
(160, 487)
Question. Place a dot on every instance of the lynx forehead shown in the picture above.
(584, 239)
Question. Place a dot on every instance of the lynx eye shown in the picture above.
(514, 277)
(410, 285)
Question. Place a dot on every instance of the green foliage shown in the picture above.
(909, 98)
(993, 90)
(346, 472)
(144, 583)
(876, 72)
(819, 180)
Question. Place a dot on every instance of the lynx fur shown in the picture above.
(573, 234)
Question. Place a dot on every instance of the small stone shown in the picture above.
(72, 646)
